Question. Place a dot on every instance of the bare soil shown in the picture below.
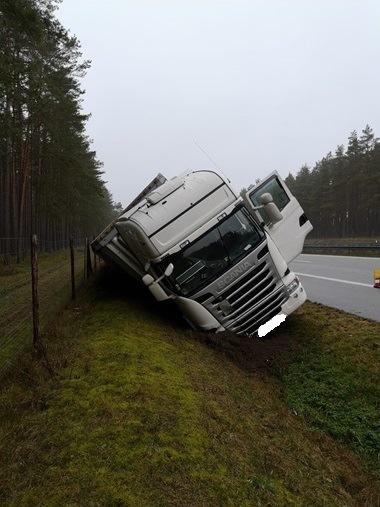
(253, 354)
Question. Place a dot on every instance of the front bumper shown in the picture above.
(296, 299)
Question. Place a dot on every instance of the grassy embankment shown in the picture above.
(144, 412)
(54, 289)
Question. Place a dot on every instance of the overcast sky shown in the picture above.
(257, 84)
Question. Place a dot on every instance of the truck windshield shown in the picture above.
(206, 258)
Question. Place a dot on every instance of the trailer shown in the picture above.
(222, 258)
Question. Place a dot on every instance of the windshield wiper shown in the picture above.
(225, 246)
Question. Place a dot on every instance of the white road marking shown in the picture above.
(298, 260)
(336, 280)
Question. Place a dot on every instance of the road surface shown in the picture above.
(341, 282)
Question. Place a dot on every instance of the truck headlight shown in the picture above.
(293, 285)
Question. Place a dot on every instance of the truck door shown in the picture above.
(289, 233)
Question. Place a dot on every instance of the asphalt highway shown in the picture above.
(341, 282)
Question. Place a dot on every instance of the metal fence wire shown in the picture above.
(16, 302)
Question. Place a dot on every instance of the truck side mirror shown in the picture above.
(148, 279)
(152, 284)
(169, 269)
(270, 208)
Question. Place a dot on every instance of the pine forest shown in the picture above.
(341, 194)
(50, 179)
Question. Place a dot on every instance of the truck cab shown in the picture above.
(222, 258)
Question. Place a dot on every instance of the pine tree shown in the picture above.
(341, 194)
(50, 179)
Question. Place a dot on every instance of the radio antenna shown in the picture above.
(208, 156)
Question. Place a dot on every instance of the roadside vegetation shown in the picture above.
(340, 194)
(54, 288)
(50, 178)
(143, 411)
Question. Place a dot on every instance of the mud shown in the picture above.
(254, 354)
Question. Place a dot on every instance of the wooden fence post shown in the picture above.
(95, 260)
(85, 272)
(87, 260)
(72, 269)
(89, 263)
(36, 306)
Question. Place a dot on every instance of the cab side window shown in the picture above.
(273, 187)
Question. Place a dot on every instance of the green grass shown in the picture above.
(334, 379)
(54, 288)
(144, 412)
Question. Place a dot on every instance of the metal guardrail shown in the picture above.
(340, 247)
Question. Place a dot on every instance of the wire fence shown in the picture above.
(58, 275)
(16, 250)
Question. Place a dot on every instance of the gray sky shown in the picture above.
(258, 84)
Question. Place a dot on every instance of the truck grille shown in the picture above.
(250, 301)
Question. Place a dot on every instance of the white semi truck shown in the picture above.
(222, 258)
